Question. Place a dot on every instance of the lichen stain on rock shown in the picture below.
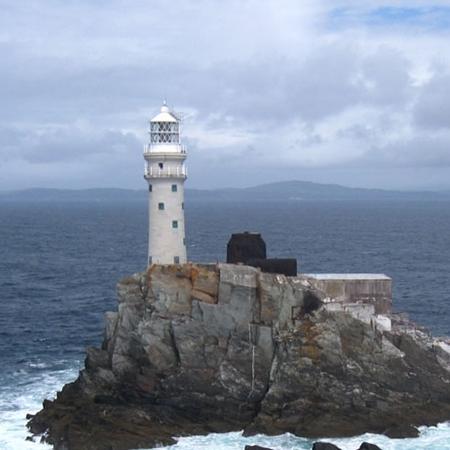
(309, 348)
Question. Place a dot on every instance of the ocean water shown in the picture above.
(59, 265)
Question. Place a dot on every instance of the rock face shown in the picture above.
(200, 348)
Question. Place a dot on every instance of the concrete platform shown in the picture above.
(368, 288)
(347, 276)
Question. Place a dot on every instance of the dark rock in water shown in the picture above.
(367, 446)
(324, 446)
(256, 447)
(245, 246)
(199, 349)
(329, 446)
(402, 431)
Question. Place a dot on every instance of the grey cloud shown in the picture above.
(387, 71)
(422, 150)
(432, 109)
(280, 89)
(64, 144)
(269, 88)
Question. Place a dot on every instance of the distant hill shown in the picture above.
(282, 191)
(307, 191)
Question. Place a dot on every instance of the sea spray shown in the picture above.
(21, 393)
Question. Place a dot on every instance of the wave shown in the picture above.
(24, 396)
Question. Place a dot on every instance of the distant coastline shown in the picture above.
(281, 191)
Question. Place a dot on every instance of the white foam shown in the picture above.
(23, 397)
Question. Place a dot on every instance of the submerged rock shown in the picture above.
(324, 446)
(195, 349)
(368, 446)
(256, 447)
(329, 446)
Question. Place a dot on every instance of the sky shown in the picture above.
(332, 91)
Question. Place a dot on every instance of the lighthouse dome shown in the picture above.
(164, 115)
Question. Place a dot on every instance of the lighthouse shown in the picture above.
(165, 173)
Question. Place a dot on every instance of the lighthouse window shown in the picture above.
(161, 206)
(161, 165)
(149, 188)
(176, 259)
(182, 205)
(174, 223)
(174, 188)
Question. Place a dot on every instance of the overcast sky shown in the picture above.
(350, 92)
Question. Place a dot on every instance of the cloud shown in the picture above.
(267, 87)
(432, 108)
(68, 143)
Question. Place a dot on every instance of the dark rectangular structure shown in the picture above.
(284, 266)
(244, 246)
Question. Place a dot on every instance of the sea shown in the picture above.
(60, 262)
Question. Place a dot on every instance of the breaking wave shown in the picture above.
(21, 393)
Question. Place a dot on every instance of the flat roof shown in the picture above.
(347, 276)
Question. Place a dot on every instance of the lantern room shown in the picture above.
(165, 128)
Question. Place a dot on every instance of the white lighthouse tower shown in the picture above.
(165, 172)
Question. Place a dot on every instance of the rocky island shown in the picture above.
(196, 349)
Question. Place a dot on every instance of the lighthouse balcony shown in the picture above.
(179, 172)
(161, 148)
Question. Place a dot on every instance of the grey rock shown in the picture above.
(199, 348)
